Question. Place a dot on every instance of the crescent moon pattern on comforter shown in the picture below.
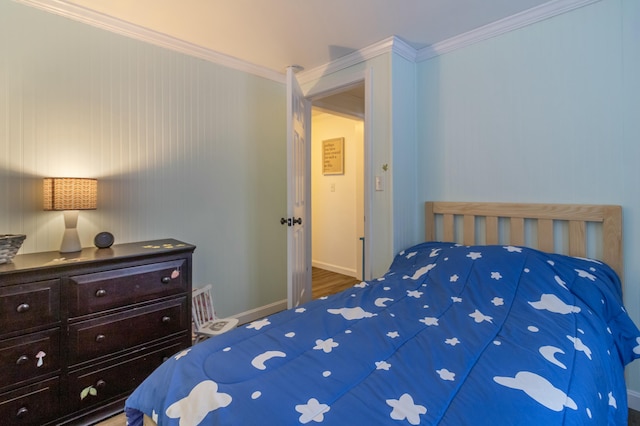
(450, 335)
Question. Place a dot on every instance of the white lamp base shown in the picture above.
(70, 239)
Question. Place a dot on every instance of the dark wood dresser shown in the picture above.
(79, 331)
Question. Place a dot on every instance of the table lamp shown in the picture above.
(70, 195)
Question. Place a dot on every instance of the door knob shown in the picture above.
(284, 221)
(291, 222)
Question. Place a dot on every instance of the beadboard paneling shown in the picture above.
(181, 148)
(546, 113)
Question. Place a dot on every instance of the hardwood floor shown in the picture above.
(326, 282)
(121, 420)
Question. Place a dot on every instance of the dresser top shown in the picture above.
(49, 259)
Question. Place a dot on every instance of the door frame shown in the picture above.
(337, 84)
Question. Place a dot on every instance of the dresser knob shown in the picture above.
(100, 338)
(23, 359)
(101, 384)
(166, 280)
(22, 412)
(101, 293)
(23, 307)
(166, 320)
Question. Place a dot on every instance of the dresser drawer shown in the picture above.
(118, 332)
(29, 305)
(100, 291)
(116, 379)
(30, 356)
(31, 405)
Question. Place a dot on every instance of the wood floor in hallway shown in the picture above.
(326, 282)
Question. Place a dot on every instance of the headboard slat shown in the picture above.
(577, 239)
(516, 227)
(449, 227)
(429, 222)
(612, 238)
(545, 235)
(469, 232)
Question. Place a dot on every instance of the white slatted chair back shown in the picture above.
(206, 323)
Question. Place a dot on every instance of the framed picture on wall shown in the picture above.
(333, 156)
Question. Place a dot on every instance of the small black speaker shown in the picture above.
(103, 240)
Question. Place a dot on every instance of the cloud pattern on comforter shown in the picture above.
(451, 335)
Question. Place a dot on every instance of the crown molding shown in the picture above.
(390, 44)
(404, 49)
(118, 26)
(502, 26)
(397, 45)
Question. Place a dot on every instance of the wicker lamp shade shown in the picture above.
(70, 193)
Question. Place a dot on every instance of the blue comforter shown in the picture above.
(451, 335)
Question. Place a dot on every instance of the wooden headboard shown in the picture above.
(473, 223)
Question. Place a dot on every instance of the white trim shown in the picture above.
(118, 26)
(324, 87)
(396, 45)
(390, 44)
(404, 49)
(261, 311)
(510, 23)
(633, 399)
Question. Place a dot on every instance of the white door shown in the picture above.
(298, 188)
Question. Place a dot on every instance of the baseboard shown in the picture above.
(634, 399)
(261, 311)
(334, 268)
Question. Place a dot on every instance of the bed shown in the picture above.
(482, 324)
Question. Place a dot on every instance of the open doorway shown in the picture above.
(337, 190)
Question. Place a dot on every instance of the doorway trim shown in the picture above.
(329, 86)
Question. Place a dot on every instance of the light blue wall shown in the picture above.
(547, 113)
(407, 207)
(181, 148)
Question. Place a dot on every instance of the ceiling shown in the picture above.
(277, 33)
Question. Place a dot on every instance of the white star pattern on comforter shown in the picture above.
(450, 331)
